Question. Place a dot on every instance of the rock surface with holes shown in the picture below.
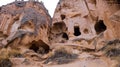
(87, 24)
(82, 33)
(89, 20)
(77, 19)
(24, 23)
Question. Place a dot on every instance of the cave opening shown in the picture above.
(65, 36)
(62, 17)
(100, 27)
(39, 47)
(77, 31)
(59, 27)
(34, 47)
(44, 48)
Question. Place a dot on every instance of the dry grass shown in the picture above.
(112, 50)
(8, 53)
(5, 54)
(62, 55)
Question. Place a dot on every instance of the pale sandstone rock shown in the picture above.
(24, 22)
(91, 20)
(88, 24)
(83, 27)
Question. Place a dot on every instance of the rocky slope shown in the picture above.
(23, 24)
(82, 33)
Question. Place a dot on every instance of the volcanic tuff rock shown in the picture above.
(88, 24)
(24, 23)
(82, 33)
(89, 20)
(86, 19)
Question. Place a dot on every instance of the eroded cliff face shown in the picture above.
(89, 20)
(24, 24)
(82, 33)
(88, 24)
(86, 19)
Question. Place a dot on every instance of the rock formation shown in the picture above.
(88, 24)
(82, 33)
(24, 24)
(87, 15)
(89, 20)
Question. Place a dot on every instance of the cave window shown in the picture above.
(77, 31)
(62, 16)
(34, 47)
(65, 36)
(100, 27)
(59, 27)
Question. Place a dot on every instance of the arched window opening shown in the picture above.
(77, 31)
(100, 26)
(65, 36)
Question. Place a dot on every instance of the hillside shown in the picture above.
(82, 33)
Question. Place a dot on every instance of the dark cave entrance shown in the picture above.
(34, 47)
(65, 36)
(39, 47)
(100, 27)
(77, 31)
(59, 27)
(62, 17)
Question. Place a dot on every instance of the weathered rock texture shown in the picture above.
(88, 24)
(24, 23)
(89, 20)
(82, 33)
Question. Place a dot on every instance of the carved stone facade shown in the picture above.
(88, 20)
